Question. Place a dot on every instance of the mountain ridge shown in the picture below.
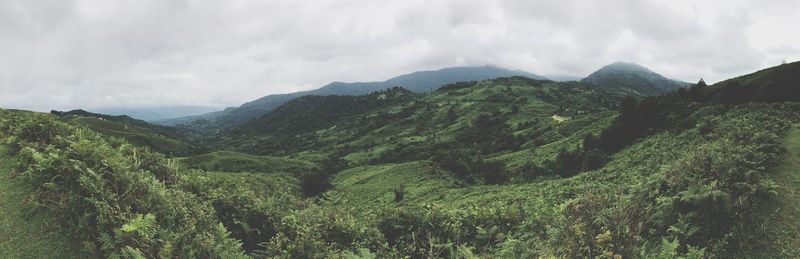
(419, 81)
(634, 76)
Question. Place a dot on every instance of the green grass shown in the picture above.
(228, 161)
(24, 232)
(135, 134)
(372, 186)
(266, 184)
(781, 224)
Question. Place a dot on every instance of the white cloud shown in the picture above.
(69, 54)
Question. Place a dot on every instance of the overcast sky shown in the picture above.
(68, 54)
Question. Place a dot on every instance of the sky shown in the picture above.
(57, 54)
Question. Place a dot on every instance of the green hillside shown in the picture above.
(420, 81)
(27, 230)
(632, 77)
(502, 168)
(778, 234)
(228, 161)
(160, 139)
(489, 119)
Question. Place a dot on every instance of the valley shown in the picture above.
(502, 167)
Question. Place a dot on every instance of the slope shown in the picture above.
(488, 117)
(780, 230)
(159, 138)
(26, 232)
(228, 161)
(624, 76)
(775, 84)
(157, 113)
(420, 81)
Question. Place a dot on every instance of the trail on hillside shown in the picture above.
(782, 225)
(24, 233)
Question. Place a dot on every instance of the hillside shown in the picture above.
(227, 161)
(503, 168)
(775, 84)
(421, 81)
(643, 81)
(780, 240)
(489, 118)
(157, 113)
(28, 231)
(159, 138)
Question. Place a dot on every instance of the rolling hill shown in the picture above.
(510, 167)
(421, 81)
(157, 113)
(159, 138)
(641, 80)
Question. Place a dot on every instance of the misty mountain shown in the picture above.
(157, 113)
(635, 77)
(421, 81)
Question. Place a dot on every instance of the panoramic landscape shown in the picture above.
(454, 129)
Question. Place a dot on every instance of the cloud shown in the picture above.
(70, 54)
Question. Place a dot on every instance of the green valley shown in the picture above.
(510, 167)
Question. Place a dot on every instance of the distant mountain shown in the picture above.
(635, 77)
(157, 113)
(421, 81)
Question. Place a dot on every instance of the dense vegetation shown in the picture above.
(161, 139)
(117, 199)
(420, 81)
(638, 79)
(503, 168)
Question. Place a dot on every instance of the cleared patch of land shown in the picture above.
(560, 119)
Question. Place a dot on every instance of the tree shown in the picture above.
(514, 109)
(451, 115)
(493, 172)
(701, 83)
(399, 193)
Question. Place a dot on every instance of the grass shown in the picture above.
(24, 232)
(781, 225)
(372, 186)
(228, 161)
(136, 135)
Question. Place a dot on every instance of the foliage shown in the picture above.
(110, 199)
(475, 169)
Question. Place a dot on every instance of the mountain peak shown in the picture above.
(632, 76)
(626, 67)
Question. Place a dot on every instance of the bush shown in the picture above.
(117, 199)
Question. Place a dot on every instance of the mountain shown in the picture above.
(421, 81)
(504, 168)
(632, 76)
(318, 124)
(157, 113)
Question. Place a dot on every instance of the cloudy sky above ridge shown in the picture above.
(58, 54)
